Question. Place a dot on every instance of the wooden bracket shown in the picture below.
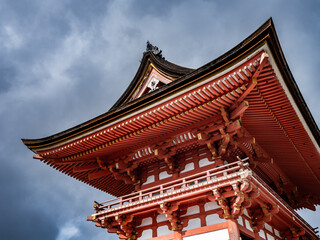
(261, 215)
(127, 226)
(293, 233)
(172, 214)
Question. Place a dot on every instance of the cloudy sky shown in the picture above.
(65, 62)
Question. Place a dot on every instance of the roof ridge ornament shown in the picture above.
(154, 49)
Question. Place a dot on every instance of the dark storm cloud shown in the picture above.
(20, 218)
(65, 62)
(7, 73)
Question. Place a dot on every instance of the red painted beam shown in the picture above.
(85, 168)
(99, 174)
(239, 110)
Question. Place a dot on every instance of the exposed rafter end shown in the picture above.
(264, 59)
(37, 156)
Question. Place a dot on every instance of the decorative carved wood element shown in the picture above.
(293, 233)
(243, 194)
(123, 225)
(110, 223)
(126, 170)
(172, 214)
(127, 226)
(242, 200)
(219, 134)
(167, 152)
(223, 203)
(261, 215)
(37, 156)
(239, 111)
(100, 164)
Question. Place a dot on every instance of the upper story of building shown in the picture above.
(173, 122)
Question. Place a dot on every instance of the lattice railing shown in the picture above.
(218, 176)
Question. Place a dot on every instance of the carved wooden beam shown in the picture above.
(127, 226)
(223, 203)
(253, 80)
(238, 111)
(234, 202)
(171, 210)
(124, 169)
(218, 135)
(166, 151)
(293, 233)
(261, 215)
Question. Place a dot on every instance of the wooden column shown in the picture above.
(178, 235)
(233, 229)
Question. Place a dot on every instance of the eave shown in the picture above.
(265, 32)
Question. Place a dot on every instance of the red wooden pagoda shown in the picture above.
(225, 151)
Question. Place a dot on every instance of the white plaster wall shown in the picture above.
(146, 234)
(270, 237)
(240, 221)
(245, 212)
(193, 223)
(163, 230)
(150, 179)
(268, 227)
(204, 162)
(145, 222)
(211, 205)
(192, 210)
(276, 232)
(248, 225)
(163, 175)
(161, 218)
(214, 219)
(188, 167)
(218, 235)
(261, 234)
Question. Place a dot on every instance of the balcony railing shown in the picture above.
(217, 177)
(195, 184)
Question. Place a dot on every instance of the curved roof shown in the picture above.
(150, 58)
(185, 77)
(277, 112)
